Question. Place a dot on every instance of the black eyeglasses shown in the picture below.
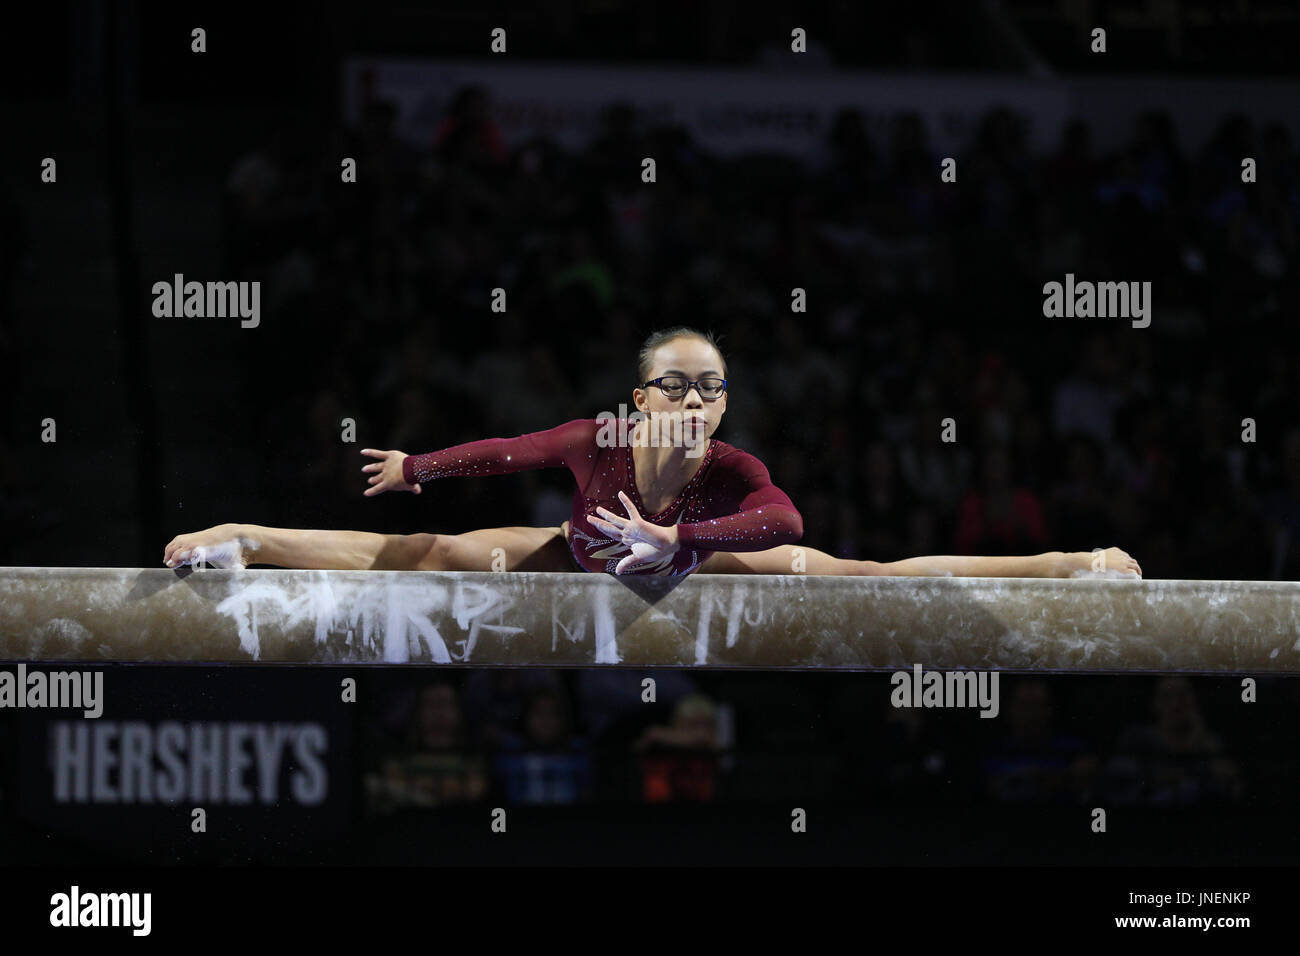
(675, 386)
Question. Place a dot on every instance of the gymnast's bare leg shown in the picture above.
(797, 559)
(489, 549)
(546, 549)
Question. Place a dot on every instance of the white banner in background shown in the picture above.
(728, 111)
(733, 111)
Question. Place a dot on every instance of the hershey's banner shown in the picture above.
(192, 763)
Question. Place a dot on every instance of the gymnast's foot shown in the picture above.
(219, 546)
(1081, 563)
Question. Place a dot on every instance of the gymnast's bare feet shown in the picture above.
(220, 546)
(1108, 559)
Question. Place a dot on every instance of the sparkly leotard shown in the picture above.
(730, 504)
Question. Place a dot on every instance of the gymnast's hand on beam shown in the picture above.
(649, 542)
(388, 473)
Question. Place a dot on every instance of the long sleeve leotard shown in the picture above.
(730, 504)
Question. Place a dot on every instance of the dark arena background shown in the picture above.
(1005, 279)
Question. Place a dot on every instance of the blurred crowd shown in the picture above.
(924, 304)
(542, 737)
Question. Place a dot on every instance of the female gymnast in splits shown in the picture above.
(644, 504)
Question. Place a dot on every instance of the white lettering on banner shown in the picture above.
(134, 762)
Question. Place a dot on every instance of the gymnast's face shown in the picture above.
(692, 359)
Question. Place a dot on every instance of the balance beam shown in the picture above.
(715, 621)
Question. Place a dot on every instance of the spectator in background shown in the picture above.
(680, 762)
(467, 135)
(1230, 534)
(850, 156)
(1001, 518)
(1159, 157)
(1034, 762)
(1175, 759)
(545, 763)
(420, 361)
(1082, 501)
(908, 757)
(252, 207)
(885, 504)
(935, 472)
(1070, 172)
(1087, 400)
(270, 203)
(519, 383)
(610, 699)
(436, 768)
(495, 700)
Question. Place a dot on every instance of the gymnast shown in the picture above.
(652, 503)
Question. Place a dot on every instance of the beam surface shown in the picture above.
(729, 620)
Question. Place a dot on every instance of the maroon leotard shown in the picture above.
(730, 504)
